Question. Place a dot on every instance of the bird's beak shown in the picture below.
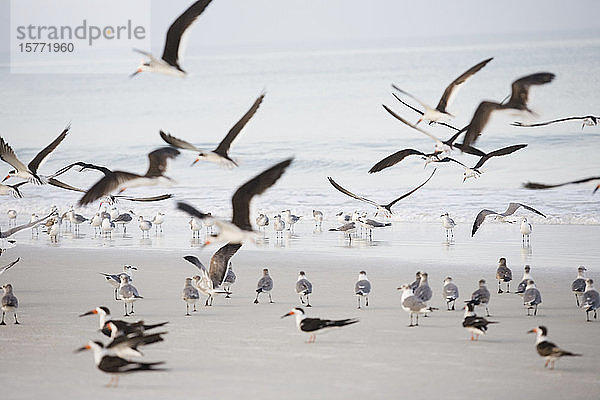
(134, 268)
(86, 347)
(288, 314)
(464, 179)
(595, 190)
(196, 160)
(7, 176)
(135, 73)
(121, 190)
(534, 330)
(207, 242)
(420, 119)
(89, 313)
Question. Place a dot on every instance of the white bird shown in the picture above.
(413, 305)
(145, 226)
(525, 230)
(262, 221)
(362, 288)
(96, 222)
(546, 349)
(35, 227)
(591, 299)
(107, 227)
(12, 217)
(190, 295)
(158, 220)
(450, 292)
(448, 224)
(578, 285)
(129, 293)
(532, 298)
(54, 230)
(114, 213)
(303, 288)
(526, 277)
(9, 303)
(289, 219)
(318, 216)
(195, 226)
(278, 225)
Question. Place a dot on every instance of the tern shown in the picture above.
(347, 229)
(587, 120)
(362, 288)
(220, 155)
(512, 208)
(546, 349)
(169, 62)
(393, 159)
(535, 185)
(474, 324)
(314, 325)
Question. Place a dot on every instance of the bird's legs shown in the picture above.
(270, 299)
(507, 287)
(131, 312)
(577, 299)
(358, 297)
(301, 299)
(116, 294)
(194, 308)
(187, 309)
(3, 323)
(16, 321)
(367, 301)
(308, 302)
(487, 311)
(126, 313)
(499, 288)
(256, 299)
(411, 321)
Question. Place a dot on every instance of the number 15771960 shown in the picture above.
(39, 47)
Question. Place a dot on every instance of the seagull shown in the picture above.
(481, 297)
(448, 224)
(169, 62)
(526, 229)
(195, 226)
(318, 216)
(123, 220)
(371, 224)
(12, 190)
(474, 324)
(96, 222)
(518, 101)
(9, 303)
(190, 296)
(385, 209)
(587, 120)
(239, 229)
(278, 225)
(503, 274)
(115, 365)
(578, 285)
(546, 349)
(229, 280)
(342, 217)
(121, 179)
(450, 292)
(362, 288)
(9, 232)
(526, 277)
(220, 155)
(440, 112)
(512, 208)
(290, 219)
(12, 217)
(129, 294)
(475, 172)
(144, 226)
(76, 220)
(347, 229)
(7, 267)
(262, 220)
(534, 185)
(532, 297)
(591, 299)
(158, 220)
(413, 305)
(314, 325)
(29, 172)
(265, 285)
(220, 266)
(423, 291)
(416, 282)
(303, 288)
(107, 227)
(114, 280)
(124, 328)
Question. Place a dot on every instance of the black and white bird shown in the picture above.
(517, 101)
(303, 288)
(114, 280)
(481, 297)
(423, 291)
(587, 120)
(190, 295)
(9, 232)
(578, 285)
(450, 292)
(129, 293)
(12, 190)
(512, 208)
(503, 274)
(239, 230)
(318, 217)
(123, 220)
(369, 224)
(535, 185)
(416, 282)
(440, 112)
(262, 221)
(591, 299)
(526, 277)
(448, 224)
(121, 180)
(290, 219)
(385, 209)
(413, 305)
(9, 303)
(126, 345)
(116, 365)
(475, 171)
(347, 229)
(532, 298)
(362, 288)
(525, 230)
(314, 325)
(29, 172)
(476, 325)
(9, 266)
(393, 159)
(220, 155)
(169, 62)
(264, 285)
(548, 350)
(122, 327)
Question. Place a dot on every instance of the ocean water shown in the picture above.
(324, 109)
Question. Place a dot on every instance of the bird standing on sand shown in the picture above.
(12, 217)
(262, 221)
(526, 229)
(190, 295)
(448, 224)
(318, 216)
(114, 280)
(591, 299)
(523, 284)
(481, 297)
(413, 305)
(423, 291)
(265, 285)
(578, 285)
(9, 303)
(195, 227)
(362, 288)
(129, 294)
(531, 298)
(303, 288)
(474, 324)
(450, 293)
(546, 349)
(314, 325)
(158, 220)
(144, 226)
(503, 274)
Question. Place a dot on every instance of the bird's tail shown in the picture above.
(147, 367)
(344, 322)
(568, 353)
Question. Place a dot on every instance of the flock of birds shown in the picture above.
(125, 337)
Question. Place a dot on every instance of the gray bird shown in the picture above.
(9, 303)
(416, 282)
(413, 305)
(523, 284)
(450, 293)
(503, 274)
(303, 288)
(190, 295)
(423, 291)
(481, 297)
(129, 294)
(265, 285)
(229, 280)
(591, 299)
(531, 298)
(362, 288)
(578, 285)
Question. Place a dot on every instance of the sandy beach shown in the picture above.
(237, 349)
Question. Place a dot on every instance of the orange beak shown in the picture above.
(122, 190)
(195, 161)
(207, 242)
(7, 176)
(420, 119)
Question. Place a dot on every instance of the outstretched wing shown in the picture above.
(533, 185)
(480, 218)
(42, 156)
(223, 147)
(389, 206)
(106, 185)
(399, 118)
(194, 260)
(12, 231)
(554, 121)
(219, 262)
(158, 160)
(513, 207)
(8, 155)
(349, 193)
(7, 267)
(452, 89)
(394, 159)
(520, 88)
(179, 143)
(500, 152)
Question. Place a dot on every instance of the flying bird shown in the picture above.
(475, 172)
(537, 186)
(588, 120)
(7, 267)
(12, 231)
(220, 155)
(385, 209)
(12, 190)
(169, 62)
(512, 208)
(393, 159)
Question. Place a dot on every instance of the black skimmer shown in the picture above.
(474, 324)
(385, 209)
(481, 297)
(517, 101)
(9, 303)
(126, 345)
(423, 292)
(537, 186)
(526, 230)
(548, 350)
(512, 208)
(169, 62)
(526, 277)
(503, 274)
(475, 171)
(264, 285)
(10, 265)
(29, 172)
(450, 292)
(129, 293)
(303, 288)
(116, 365)
(587, 120)
(239, 229)
(448, 224)
(362, 288)
(591, 299)
(532, 298)
(440, 112)
(123, 327)
(219, 155)
(578, 285)
(318, 217)
(347, 229)
(413, 305)
(416, 282)
(190, 296)
(114, 280)
(121, 179)
(314, 325)
(12, 190)
(9, 232)
(415, 109)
